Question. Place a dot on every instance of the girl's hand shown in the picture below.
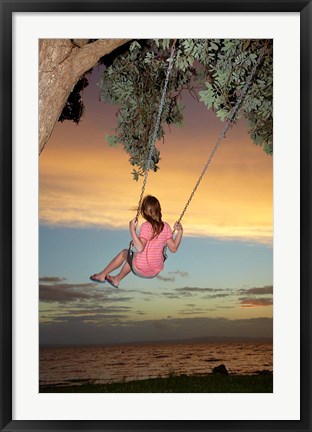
(133, 224)
(178, 226)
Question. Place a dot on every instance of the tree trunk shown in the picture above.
(62, 62)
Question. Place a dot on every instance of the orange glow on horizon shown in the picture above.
(83, 182)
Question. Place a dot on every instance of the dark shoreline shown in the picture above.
(210, 383)
(207, 339)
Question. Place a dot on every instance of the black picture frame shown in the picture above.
(7, 9)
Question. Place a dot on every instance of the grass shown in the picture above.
(178, 384)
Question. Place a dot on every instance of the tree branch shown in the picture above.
(61, 65)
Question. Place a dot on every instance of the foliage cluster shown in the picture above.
(212, 70)
(74, 107)
(233, 63)
(134, 82)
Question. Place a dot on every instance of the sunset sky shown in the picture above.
(220, 281)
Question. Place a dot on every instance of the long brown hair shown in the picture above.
(151, 211)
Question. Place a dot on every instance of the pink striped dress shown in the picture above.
(150, 261)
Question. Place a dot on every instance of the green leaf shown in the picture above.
(112, 140)
(214, 46)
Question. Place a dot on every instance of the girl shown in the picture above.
(148, 259)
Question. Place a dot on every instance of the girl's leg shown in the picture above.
(126, 269)
(113, 265)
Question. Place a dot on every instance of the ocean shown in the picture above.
(115, 363)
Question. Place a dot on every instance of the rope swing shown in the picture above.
(157, 123)
(229, 122)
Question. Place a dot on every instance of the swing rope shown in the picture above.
(157, 123)
(229, 122)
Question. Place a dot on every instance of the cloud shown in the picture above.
(194, 311)
(63, 293)
(218, 295)
(171, 276)
(100, 310)
(199, 290)
(141, 292)
(213, 292)
(85, 312)
(97, 319)
(70, 195)
(170, 295)
(251, 300)
(180, 273)
(67, 293)
(51, 279)
(166, 278)
(258, 291)
(255, 302)
(268, 289)
(186, 292)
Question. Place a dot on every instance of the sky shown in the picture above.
(219, 283)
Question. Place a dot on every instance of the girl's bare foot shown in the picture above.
(100, 277)
(113, 279)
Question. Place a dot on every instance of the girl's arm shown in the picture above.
(138, 242)
(174, 243)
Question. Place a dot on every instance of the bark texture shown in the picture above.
(62, 62)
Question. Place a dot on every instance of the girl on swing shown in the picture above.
(148, 259)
